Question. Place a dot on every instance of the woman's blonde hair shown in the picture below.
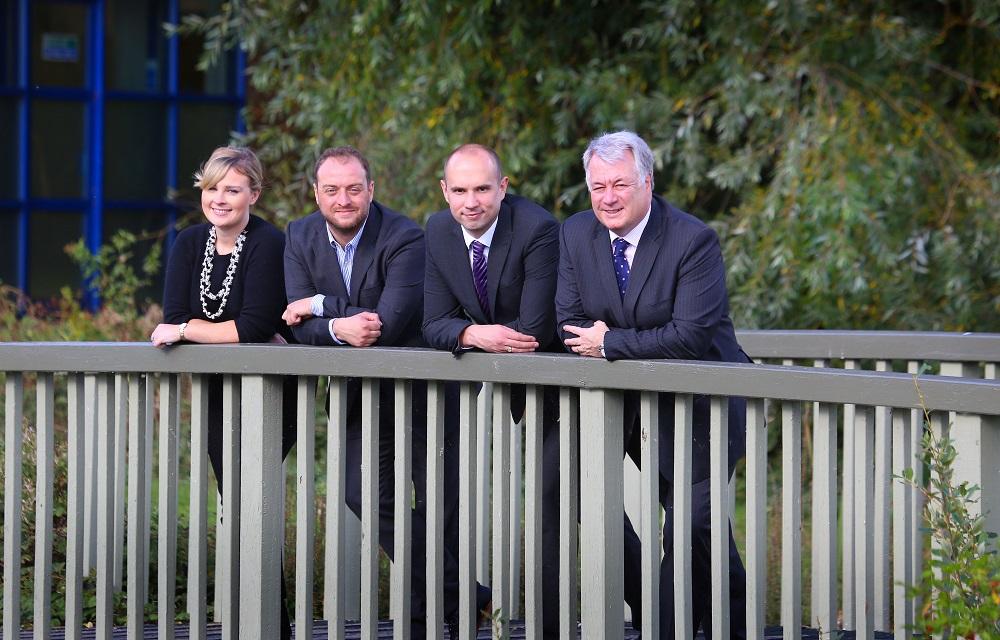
(225, 158)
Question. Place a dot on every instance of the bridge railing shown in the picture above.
(591, 468)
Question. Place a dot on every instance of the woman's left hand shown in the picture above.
(165, 335)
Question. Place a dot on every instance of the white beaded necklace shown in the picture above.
(206, 274)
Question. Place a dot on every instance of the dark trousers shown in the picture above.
(700, 550)
(215, 452)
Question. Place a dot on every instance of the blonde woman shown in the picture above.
(225, 283)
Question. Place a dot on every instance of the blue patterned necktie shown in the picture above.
(479, 275)
(621, 264)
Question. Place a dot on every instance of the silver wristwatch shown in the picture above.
(183, 326)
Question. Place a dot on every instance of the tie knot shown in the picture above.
(620, 244)
(478, 248)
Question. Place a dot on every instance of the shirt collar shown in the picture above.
(354, 241)
(486, 238)
(632, 237)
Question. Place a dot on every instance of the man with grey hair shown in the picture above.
(640, 279)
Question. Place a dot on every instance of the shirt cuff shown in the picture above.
(316, 305)
(332, 334)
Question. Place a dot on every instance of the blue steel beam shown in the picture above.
(23, 141)
(173, 55)
(95, 72)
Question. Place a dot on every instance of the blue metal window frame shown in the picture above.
(94, 96)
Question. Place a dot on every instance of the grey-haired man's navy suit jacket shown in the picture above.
(676, 307)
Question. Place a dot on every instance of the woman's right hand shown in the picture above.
(165, 335)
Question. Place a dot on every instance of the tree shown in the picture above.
(847, 152)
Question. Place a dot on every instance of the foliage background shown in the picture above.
(846, 151)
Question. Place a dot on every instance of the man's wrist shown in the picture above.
(333, 332)
(601, 349)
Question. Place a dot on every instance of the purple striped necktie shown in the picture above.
(479, 275)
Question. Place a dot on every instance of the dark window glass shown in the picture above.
(134, 151)
(203, 127)
(8, 148)
(8, 44)
(57, 151)
(151, 228)
(8, 246)
(58, 44)
(49, 266)
(135, 45)
(217, 79)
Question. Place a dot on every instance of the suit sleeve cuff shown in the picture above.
(316, 305)
(332, 334)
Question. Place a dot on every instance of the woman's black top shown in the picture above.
(257, 296)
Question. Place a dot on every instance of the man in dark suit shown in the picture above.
(354, 275)
(641, 279)
(491, 277)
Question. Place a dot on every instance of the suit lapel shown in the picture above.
(499, 249)
(645, 256)
(605, 269)
(328, 266)
(365, 253)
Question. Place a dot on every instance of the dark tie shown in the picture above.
(479, 275)
(621, 264)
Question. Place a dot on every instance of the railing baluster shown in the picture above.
(138, 504)
(902, 531)
(916, 462)
(403, 525)
(14, 408)
(883, 468)
(719, 488)
(533, 511)
(435, 511)
(198, 515)
(864, 422)
(305, 496)
(90, 475)
(220, 556)
(847, 581)
(44, 494)
(484, 456)
(601, 532)
(756, 514)
(824, 517)
(167, 515)
(514, 432)
(147, 523)
(569, 474)
(467, 501)
(261, 538)
(229, 582)
(105, 449)
(501, 508)
(649, 525)
(791, 519)
(74, 505)
(683, 417)
(333, 572)
(121, 443)
(370, 507)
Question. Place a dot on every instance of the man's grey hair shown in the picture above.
(611, 147)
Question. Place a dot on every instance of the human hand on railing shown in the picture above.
(165, 335)
(360, 330)
(496, 338)
(297, 311)
(589, 340)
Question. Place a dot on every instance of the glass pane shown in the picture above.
(57, 151)
(202, 128)
(8, 247)
(49, 267)
(135, 45)
(8, 148)
(217, 79)
(58, 44)
(151, 228)
(134, 151)
(8, 43)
